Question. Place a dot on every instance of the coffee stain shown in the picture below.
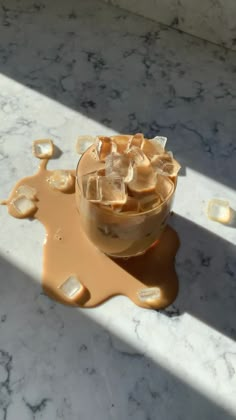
(67, 251)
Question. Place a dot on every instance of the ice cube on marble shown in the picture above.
(164, 187)
(219, 210)
(104, 146)
(149, 295)
(61, 180)
(117, 164)
(83, 143)
(43, 149)
(90, 186)
(23, 206)
(27, 191)
(112, 189)
(71, 287)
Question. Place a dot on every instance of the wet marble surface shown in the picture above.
(213, 20)
(88, 68)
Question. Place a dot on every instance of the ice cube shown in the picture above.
(137, 140)
(61, 180)
(148, 202)
(27, 191)
(144, 180)
(164, 164)
(23, 206)
(43, 149)
(120, 143)
(117, 164)
(149, 295)
(219, 210)
(71, 287)
(154, 146)
(137, 156)
(104, 146)
(83, 143)
(112, 189)
(164, 187)
(90, 187)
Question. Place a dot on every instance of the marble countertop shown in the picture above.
(70, 68)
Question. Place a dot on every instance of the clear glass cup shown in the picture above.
(122, 234)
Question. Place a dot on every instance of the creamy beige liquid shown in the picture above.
(118, 234)
(67, 251)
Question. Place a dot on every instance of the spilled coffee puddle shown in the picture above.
(68, 253)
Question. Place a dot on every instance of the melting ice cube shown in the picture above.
(149, 295)
(104, 146)
(137, 140)
(219, 211)
(61, 180)
(71, 287)
(164, 187)
(144, 180)
(83, 143)
(43, 149)
(117, 164)
(165, 164)
(120, 143)
(23, 206)
(138, 157)
(27, 191)
(90, 187)
(154, 146)
(112, 189)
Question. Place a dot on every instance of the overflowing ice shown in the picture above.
(24, 206)
(71, 287)
(219, 211)
(134, 173)
(149, 294)
(61, 180)
(43, 149)
(83, 143)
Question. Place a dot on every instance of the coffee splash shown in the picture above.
(68, 252)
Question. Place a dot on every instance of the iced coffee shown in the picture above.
(124, 192)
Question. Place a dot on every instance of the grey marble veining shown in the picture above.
(69, 68)
(213, 20)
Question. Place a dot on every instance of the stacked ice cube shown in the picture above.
(137, 176)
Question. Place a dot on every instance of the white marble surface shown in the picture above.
(72, 68)
(213, 20)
